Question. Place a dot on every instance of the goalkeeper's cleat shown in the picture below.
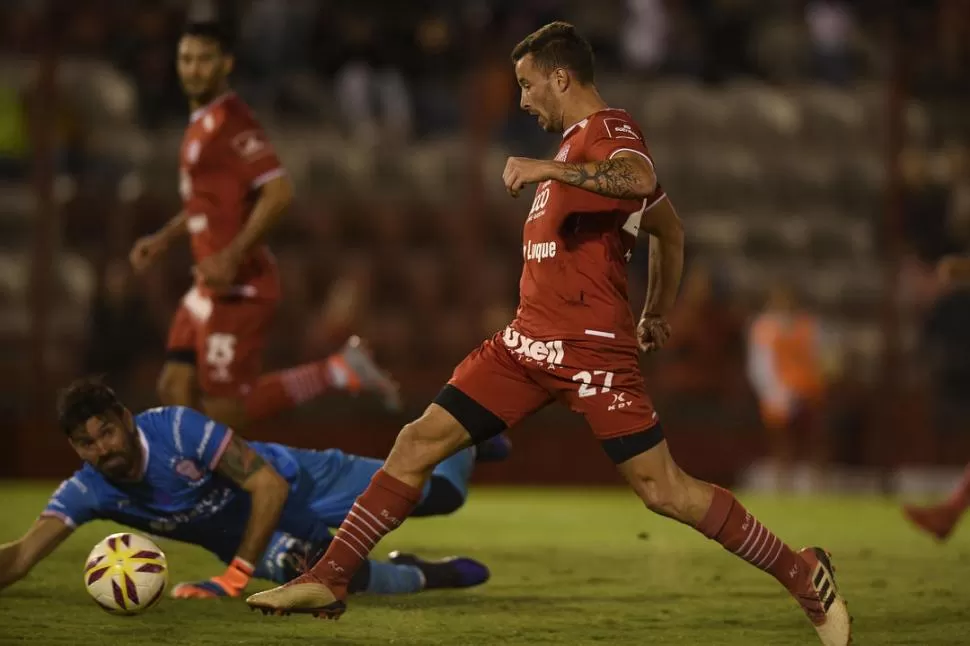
(821, 601)
(356, 369)
(200, 590)
(307, 594)
(938, 520)
(452, 572)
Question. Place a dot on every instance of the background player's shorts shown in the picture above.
(512, 376)
(224, 338)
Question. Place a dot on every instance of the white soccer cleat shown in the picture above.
(821, 601)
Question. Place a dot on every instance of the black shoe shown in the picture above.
(451, 572)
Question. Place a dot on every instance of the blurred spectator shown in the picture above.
(830, 27)
(702, 359)
(120, 332)
(645, 35)
(787, 353)
(374, 98)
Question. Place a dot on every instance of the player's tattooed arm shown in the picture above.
(239, 462)
(268, 492)
(624, 176)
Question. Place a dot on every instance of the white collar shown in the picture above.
(198, 113)
(145, 450)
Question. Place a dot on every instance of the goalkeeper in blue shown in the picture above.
(265, 510)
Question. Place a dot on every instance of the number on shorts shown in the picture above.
(220, 353)
(586, 389)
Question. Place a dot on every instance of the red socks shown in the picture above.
(382, 508)
(733, 526)
(959, 500)
(286, 389)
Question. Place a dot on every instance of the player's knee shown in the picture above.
(663, 491)
(418, 447)
(660, 497)
(175, 386)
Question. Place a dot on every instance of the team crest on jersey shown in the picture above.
(192, 151)
(620, 129)
(188, 469)
(250, 145)
(563, 153)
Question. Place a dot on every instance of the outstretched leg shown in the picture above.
(716, 513)
(940, 519)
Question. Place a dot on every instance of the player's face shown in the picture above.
(203, 68)
(541, 93)
(109, 443)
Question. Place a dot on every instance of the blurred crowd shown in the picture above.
(425, 279)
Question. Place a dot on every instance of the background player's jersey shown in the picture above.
(224, 159)
(576, 244)
(181, 497)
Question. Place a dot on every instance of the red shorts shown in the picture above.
(224, 338)
(513, 376)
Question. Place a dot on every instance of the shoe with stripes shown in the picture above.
(355, 369)
(821, 601)
(307, 595)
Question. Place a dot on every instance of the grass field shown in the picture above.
(569, 567)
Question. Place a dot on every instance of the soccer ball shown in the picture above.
(126, 574)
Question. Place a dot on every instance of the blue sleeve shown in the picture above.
(75, 502)
(198, 437)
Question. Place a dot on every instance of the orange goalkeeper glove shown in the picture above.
(228, 584)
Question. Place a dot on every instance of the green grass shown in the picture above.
(569, 567)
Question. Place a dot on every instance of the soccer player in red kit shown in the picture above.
(574, 340)
(941, 519)
(234, 189)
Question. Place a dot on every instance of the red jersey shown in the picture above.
(224, 159)
(576, 244)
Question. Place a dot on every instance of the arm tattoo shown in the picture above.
(618, 178)
(239, 461)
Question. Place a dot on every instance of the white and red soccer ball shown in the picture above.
(126, 574)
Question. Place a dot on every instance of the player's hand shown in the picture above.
(520, 171)
(218, 271)
(652, 332)
(145, 252)
(231, 583)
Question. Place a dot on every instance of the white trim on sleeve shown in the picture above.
(631, 150)
(269, 176)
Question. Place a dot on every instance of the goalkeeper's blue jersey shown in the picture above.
(180, 496)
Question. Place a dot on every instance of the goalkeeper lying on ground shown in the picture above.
(264, 509)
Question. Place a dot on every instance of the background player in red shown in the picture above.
(941, 519)
(574, 339)
(234, 189)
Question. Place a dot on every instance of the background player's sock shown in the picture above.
(389, 578)
(286, 389)
(733, 526)
(382, 508)
(959, 500)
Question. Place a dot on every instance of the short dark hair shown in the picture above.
(83, 399)
(211, 30)
(558, 44)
